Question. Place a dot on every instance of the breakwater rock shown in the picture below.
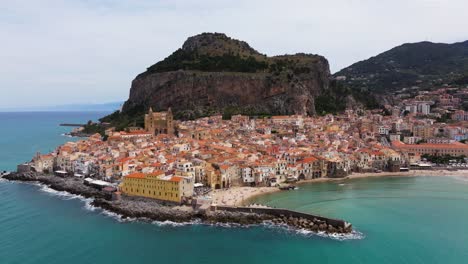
(139, 207)
(145, 208)
(295, 219)
(70, 185)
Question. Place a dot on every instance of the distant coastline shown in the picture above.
(103, 107)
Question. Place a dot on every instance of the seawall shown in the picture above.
(289, 216)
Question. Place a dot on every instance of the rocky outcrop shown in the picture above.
(212, 73)
(70, 185)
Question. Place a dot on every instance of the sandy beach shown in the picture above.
(238, 196)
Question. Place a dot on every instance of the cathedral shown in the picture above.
(159, 122)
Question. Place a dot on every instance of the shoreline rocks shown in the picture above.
(145, 208)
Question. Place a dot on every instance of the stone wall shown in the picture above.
(284, 212)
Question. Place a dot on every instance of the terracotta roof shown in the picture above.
(176, 179)
(455, 145)
(136, 175)
(124, 159)
(157, 173)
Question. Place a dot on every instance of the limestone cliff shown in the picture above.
(213, 73)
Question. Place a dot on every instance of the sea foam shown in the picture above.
(176, 224)
(87, 202)
(354, 235)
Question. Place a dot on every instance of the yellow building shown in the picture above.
(158, 186)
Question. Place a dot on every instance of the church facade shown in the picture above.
(159, 122)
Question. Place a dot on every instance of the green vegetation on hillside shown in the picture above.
(423, 64)
(461, 81)
(119, 120)
(334, 100)
(92, 128)
(135, 116)
(185, 60)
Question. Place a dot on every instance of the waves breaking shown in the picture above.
(87, 202)
(354, 235)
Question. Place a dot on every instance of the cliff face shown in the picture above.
(212, 73)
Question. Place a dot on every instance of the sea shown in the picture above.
(396, 219)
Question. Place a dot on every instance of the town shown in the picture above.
(173, 161)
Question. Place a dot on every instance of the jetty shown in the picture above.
(294, 218)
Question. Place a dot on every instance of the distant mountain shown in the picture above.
(423, 64)
(105, 107)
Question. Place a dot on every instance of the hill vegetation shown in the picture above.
(423, 64)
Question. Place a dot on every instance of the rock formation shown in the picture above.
(213, 73)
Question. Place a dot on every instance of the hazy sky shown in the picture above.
(88, 51)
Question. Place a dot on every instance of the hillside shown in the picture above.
(423, 64)
(212, 73)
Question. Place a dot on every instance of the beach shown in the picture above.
(237, 196)
(240, 196)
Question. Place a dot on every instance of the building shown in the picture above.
(159, 186)
(395, 137)
(424, 108)
(159, 122)
(296, 120)
(452, 149)
(423, 131)
(383, 130)
(411, 140)
(460, 115)
(43, 163)
(440, 140)
(419, 107)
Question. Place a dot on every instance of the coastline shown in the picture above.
(242, 196)
(132, 207)
(236, 197)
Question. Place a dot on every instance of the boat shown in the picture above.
(287, 187)
(290, 180)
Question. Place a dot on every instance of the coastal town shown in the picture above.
(177, 161)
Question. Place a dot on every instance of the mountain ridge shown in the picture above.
(425, 64)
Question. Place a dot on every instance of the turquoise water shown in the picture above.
(402, 220)
(22, 134)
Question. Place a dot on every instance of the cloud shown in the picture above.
(63, 51)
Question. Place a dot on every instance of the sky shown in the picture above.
(55, 52)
